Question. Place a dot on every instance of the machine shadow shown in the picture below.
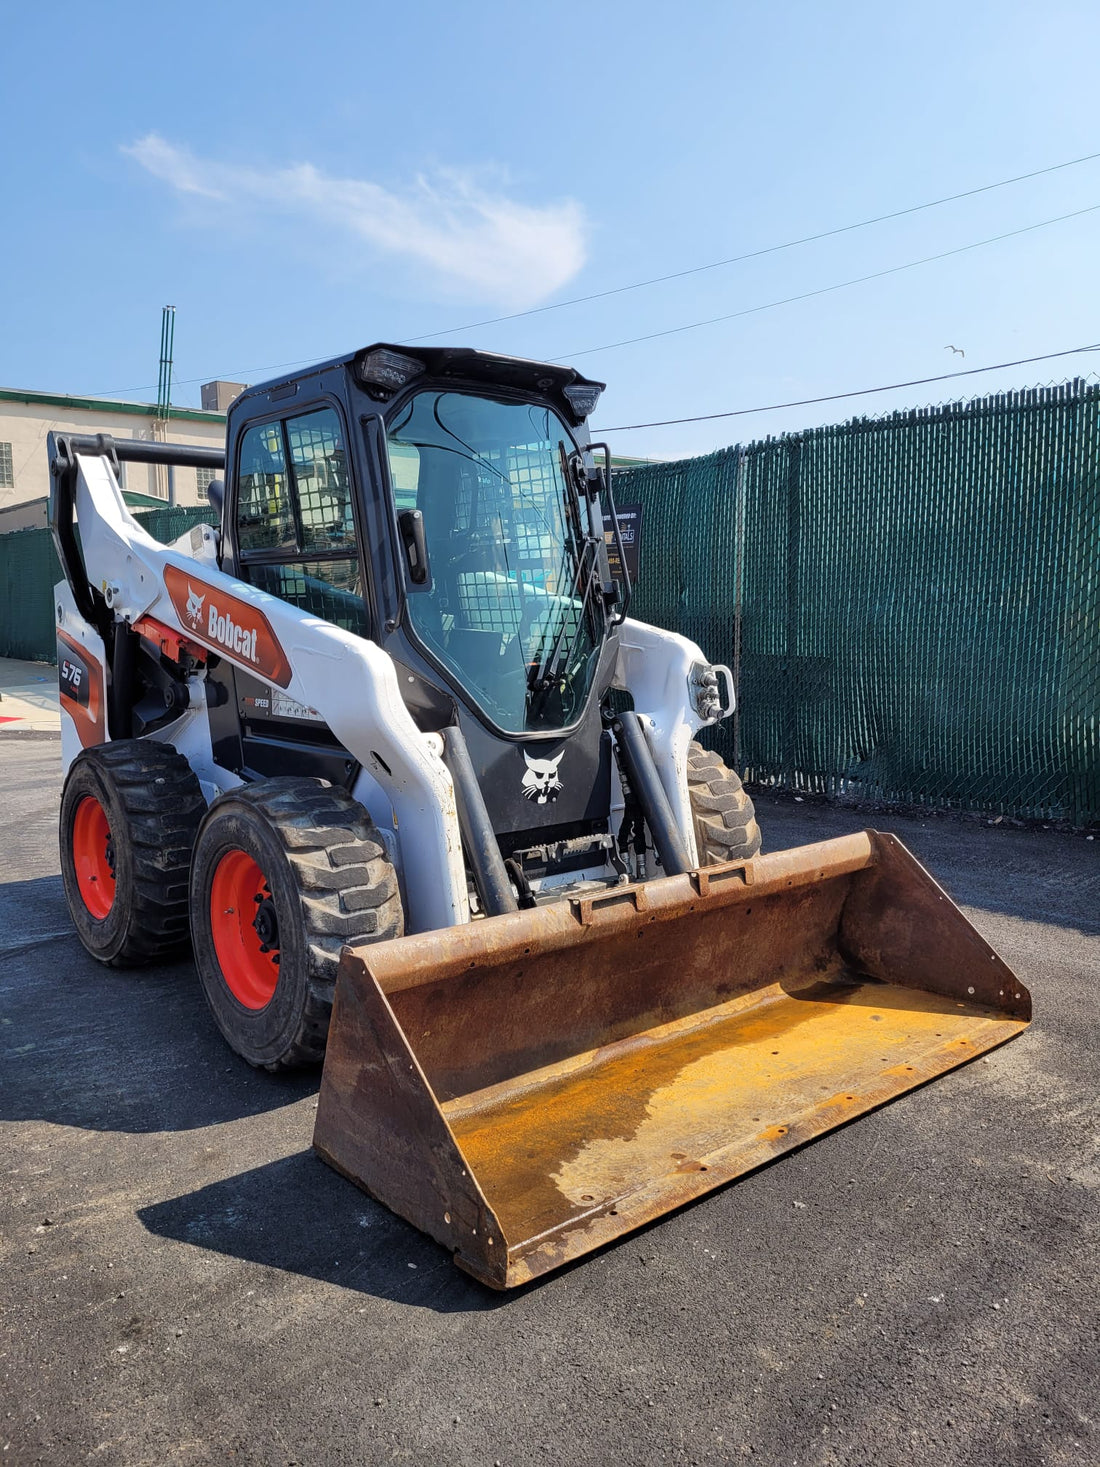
(346, 1238)
(112, 1049)
(298, 1215)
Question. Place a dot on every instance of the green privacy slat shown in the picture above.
(911, 603)
(29, 570)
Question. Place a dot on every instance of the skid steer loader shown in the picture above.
(385, 745)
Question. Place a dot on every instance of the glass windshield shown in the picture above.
(510, 608)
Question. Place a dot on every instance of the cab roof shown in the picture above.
(460, 363)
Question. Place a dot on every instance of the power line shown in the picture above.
(825, 289)
(790, 244)
(215, 376)
(656, 279)
(860, 392)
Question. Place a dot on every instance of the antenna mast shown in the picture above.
(164, 477)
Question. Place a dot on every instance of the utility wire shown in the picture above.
(789, 244)
(774, 407)
(825, 289)
(656, 279)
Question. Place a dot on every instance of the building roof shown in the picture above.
(105, 405)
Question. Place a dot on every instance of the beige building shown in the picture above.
(26, 418)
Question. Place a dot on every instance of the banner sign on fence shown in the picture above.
(630, 528)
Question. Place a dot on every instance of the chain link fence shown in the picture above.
(29, 570)
(909, 603)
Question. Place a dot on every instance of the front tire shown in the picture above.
(286, 872)
(725, 821)
(130, 811)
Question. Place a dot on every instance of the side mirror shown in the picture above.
(215, 493)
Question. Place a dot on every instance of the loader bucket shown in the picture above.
(528, 1087)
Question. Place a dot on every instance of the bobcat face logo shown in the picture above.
(194, 607)
(541, 782)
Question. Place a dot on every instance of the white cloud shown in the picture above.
(508, 252)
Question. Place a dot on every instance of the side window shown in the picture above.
(265, 519)
(330, 589)
(320, 469)
(296, 530)
(405, 474)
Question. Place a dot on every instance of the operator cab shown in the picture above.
(480, 533)
(448, 505)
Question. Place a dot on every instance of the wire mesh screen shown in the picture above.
(330, 589)
(508, 522)
(320, 467)
(910, 603)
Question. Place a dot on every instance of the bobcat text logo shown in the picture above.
(217, 617)
(221, 628)
(194, 607)
(541, 782)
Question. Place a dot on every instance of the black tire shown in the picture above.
(725, 821)
(267, 941)
(130, 811)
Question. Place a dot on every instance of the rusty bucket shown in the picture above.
(529, 1087)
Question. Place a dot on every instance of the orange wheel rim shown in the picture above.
(94, 857)
(245, 929)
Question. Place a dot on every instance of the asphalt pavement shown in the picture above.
(183, 1282)
(28, 697)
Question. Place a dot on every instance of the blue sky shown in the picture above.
(299, 182)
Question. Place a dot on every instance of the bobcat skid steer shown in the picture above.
(384, 744)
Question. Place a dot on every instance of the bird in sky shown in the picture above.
(956, 349)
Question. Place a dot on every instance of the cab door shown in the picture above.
(297, 538)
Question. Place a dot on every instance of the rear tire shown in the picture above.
(725, 821)
(286, 872)
(130, 811)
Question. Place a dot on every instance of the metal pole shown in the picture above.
(164, 379)
(171, 312)
(164, 395)
(792, 689)
(738, 591)
(140, 450)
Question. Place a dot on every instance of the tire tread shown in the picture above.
(163, 806)
(346, 886)
(725, 821)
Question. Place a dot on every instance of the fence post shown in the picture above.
(738, 590)
(794, 553)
